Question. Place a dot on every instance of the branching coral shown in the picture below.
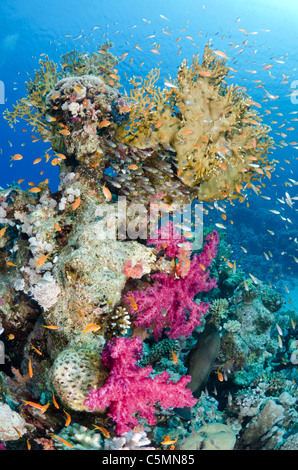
(150, 109)
(127, 381)
(32, 108)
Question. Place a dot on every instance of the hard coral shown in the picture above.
(32, 108)
(169, 303)
(209, 127)
(80, 104)
(129, 389)
(74, 373)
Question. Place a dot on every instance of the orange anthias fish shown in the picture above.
(55, 401)
(9, 263)
(76, 204)
(133, 166)
(42, 260)
(125, 109)
(30, 369)
(103, 430)
(62, 440)
(41, 408)
(34, 190)
(2, 231)
(107, 193)
(183, 265)
(17, 156)
(168, 441)
(55, 161)
(91, 327)
(68, 418)
(133, 302)
(221, 54)
(219, 375)
(36, 350)
(205, 73)
(104, 124)
(174, 356)
(64, 132)
(159, 123)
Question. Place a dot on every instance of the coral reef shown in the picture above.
(117, 337)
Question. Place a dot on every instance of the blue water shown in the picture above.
(33, 28)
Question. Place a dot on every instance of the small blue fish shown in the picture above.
(110, 172)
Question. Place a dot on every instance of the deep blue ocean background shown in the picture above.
(31, 28)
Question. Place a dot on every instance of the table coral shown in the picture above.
(214, 136)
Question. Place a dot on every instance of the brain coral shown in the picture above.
(74, 373)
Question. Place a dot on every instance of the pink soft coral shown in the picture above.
(167, 238)
(169, 301)
(129, 389)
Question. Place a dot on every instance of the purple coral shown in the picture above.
(129, 389)
(169, 301)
